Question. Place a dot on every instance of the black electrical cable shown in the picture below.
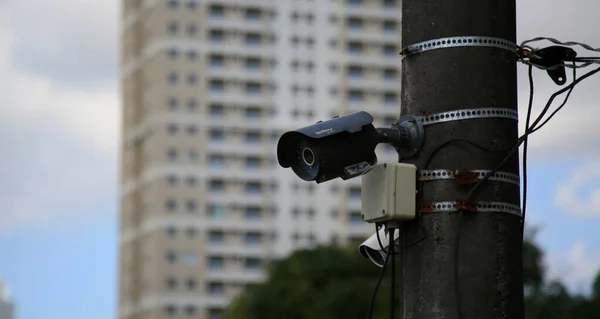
(525, 144)
(393, 276)
(377, 284)
(521, 140)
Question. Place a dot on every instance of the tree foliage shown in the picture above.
(332, 283)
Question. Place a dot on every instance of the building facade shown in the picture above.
(207, 89)
(7, 307)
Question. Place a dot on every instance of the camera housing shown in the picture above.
(371, 248)
(341, 147)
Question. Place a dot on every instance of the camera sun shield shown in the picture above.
(342, 147)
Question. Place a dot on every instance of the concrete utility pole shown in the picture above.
(490, 279)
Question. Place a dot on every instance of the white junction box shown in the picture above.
(389, 192)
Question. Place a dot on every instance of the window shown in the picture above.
(172, 77)
(253, 88)
(312, 238)
(389, 26)
(389, 50)
(173, 4)
(253, 162)
(217, 85)
(216, 160)
(217, 185)
(192, 55)
(310, 214)
(252, 137)
(172, 27)
(192, 129)
(356, 95)
(190, 310)
(172, 180)
(354, 2)
(217, 11)
(172, 153)
(191, 180)
(252, 212)
(172, 128)
(191, 205)
(217, 60)
(253, 38)
(310, 42)
(216, 288)
(217, 211)
(217, 35)
(252, 263)
(215, 314)
(355, 23)
(355, 47)
(253, 113)
(171, 231)
(390, 74)
(191, 258)
(171, 283)
(355, 218)
(390, 97)
(253, 63)
(172, 53)
(252, 14)
(170, 310)
(170, 256)
(192, 29)
(192, 104)
(354, 192)
(252, 238)
(253, 187)
(193, 154)
(172, 103)
(388, 3)
(191, 232)
(191, 284)
(216, 236)
(216, 262)
(192, 4)
(355, 71)
(217, 134)
(171, 205)
(216, 110)
(192, 78)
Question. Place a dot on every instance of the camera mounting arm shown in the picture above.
(406, 136)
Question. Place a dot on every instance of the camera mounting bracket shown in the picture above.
(406, 136)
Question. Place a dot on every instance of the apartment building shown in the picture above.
(7, 310)
(207, 89)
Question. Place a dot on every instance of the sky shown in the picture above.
(59, 125)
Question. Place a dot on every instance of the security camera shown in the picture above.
(371, 247)
(344, 146)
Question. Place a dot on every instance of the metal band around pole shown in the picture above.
(450, 174)
(462, 41)
(467, 114)
(480, 206)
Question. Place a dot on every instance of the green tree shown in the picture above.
(326, 282)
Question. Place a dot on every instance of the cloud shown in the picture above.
(568, 194)
(68, 42)
(59, 139)
(572, 131)
(576, 268)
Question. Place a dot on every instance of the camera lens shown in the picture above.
(308, 156)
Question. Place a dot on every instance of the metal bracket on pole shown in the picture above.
(463, 176)
(471, 206)
(467, 114)
(462, 41)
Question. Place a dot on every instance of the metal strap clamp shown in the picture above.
(467, 114)
(461, 41)
(471, 206)
(463, 176)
